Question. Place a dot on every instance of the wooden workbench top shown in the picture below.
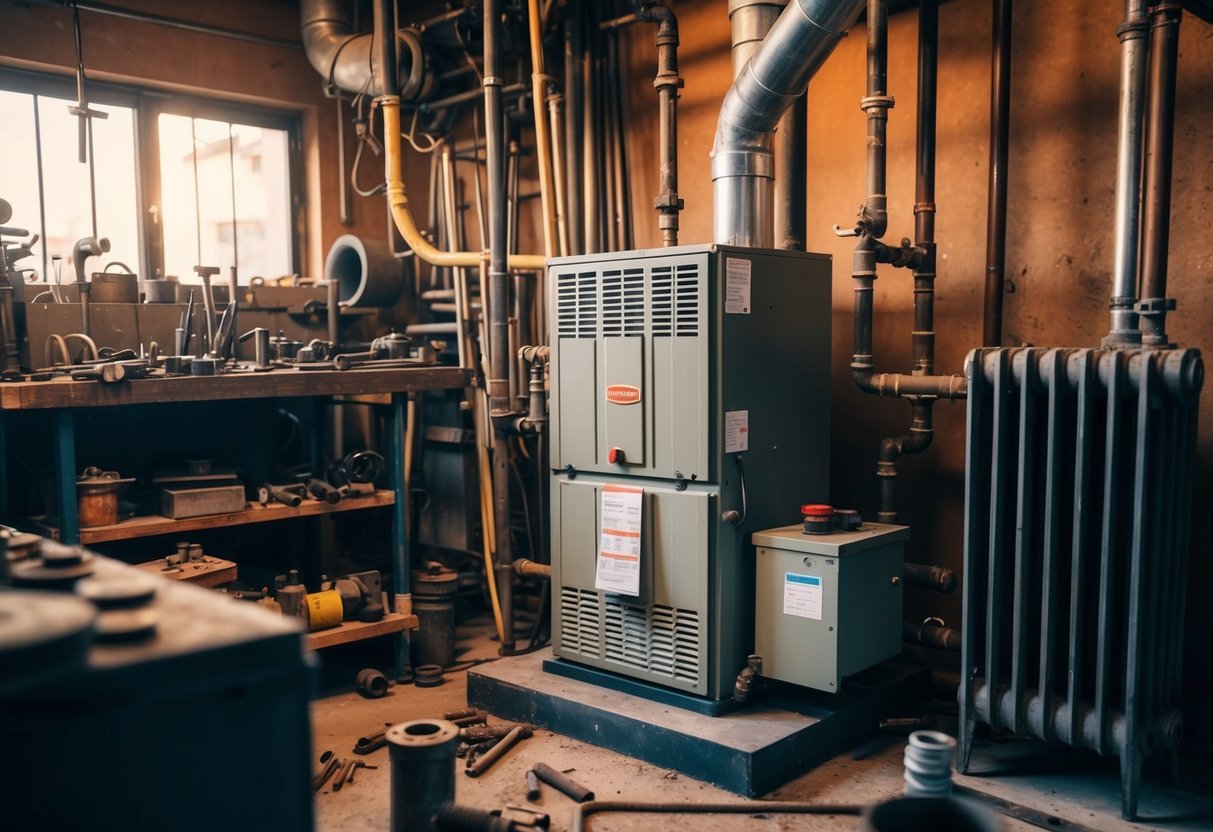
(285, 383)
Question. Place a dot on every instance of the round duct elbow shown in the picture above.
(367, 274)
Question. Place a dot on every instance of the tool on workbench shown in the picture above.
(354, 769)
(184, 331)
(470, 719)
(532, 785)
(354, 597)
(262, 360)
(562, 783)
(205, 273)
(285, 494)
(321, 490)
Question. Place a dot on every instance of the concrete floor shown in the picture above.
(1077, 788)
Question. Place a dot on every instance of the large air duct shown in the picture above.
(347, 60)
(778, 73)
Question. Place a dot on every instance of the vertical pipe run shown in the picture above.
(877, 104)
(1000, 126)
(573, 125)
(543, 138)
(1156, 187)
(1133, 45)
(791, 173)
(499, 310)
(668, 82)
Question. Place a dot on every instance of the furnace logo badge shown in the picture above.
(622, 394)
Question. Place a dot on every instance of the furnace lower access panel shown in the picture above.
(694, 382)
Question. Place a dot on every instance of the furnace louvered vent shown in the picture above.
(687, 318)
(660, 640)
(615, 299)
(577, 305)
(661, 308)
(580, 622)
(622, 303)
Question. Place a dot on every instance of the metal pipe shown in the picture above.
(791, 173)
(668, 82)
(177, 23)
(343, 58)
(1133, 46)
(543, 138)
(455, 99)
(877, 104)
(581, 811)
(403, 216)
(500, 357)
(559, 171)
(742, 162)
(996, 217)
(574, 124)
(422, 754)
(1156, 185)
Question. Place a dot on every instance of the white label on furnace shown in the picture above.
(737, 286)
(736, 431)
(618, 567)
(802, 595)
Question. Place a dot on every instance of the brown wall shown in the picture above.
(147, 55)
(1063, 152)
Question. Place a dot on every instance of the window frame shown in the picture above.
(147, 105)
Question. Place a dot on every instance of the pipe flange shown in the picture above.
(427, 676)
(421, 734)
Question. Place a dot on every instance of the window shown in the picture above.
(226, 196)
(178, 181)
(40, 151)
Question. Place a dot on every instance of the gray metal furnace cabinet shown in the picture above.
(699, 374)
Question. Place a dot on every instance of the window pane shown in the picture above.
(68, 204)
(19, 152)
(179, 221)
(253, 231)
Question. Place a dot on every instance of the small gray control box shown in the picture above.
(827, 606)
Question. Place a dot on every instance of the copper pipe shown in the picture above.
(996, 218)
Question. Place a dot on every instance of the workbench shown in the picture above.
(62, 398)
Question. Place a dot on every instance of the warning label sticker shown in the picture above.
(737, 285)
(736, 431)
(618, 568)
(802, 595)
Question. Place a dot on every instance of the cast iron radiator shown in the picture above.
(1078, 488)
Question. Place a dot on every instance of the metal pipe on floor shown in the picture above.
(1000, 129)
(1156, 185)
(1133, 34)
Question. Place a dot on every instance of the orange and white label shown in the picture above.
(618, 568)
(623, 394)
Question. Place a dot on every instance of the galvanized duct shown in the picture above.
(347, 60)
(778, 73)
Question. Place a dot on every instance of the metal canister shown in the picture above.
(818, 518)
(97, 497)
(423, 772)
(434, 605)
(324, 609)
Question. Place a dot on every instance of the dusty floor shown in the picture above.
(1077, 790)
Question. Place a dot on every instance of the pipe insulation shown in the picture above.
(743, 166)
